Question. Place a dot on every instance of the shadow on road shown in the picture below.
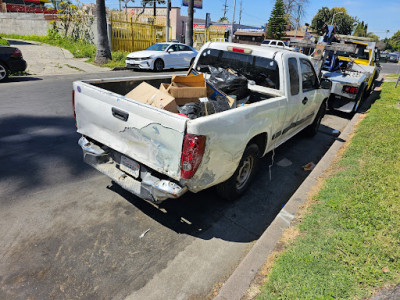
(16, 43)
(206, 216)
(25, 78)
(29, 145)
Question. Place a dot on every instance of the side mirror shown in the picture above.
(170, 50)
(325, 84)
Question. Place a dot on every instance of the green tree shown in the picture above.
(223, 20)
(344, 22)
(277, 21)
(361, 29)
(394, 42)
(373, 36)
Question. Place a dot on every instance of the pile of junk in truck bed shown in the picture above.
(193, 96)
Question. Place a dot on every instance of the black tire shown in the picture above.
(3, 72)
(312, 129)
(235, 186)
(364, 96)
(158, 65)
(330, 102)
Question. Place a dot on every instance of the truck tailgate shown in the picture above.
(149, 135)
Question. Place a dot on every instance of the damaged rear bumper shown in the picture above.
(146, 186)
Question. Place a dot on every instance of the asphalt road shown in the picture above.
(66, 232)
(390, 68)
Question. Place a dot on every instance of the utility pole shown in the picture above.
(154, 11)
(225, 8)
(233, 21)
(119, 5)
(168, 20)
(240, 12)
(189, 25)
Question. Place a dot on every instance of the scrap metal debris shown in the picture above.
(144, 233)
(335, 132)
(309, 167)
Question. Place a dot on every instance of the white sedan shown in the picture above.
(162, 56)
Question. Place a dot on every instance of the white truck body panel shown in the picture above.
(151, 136)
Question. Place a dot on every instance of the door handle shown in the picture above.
(119, 114)
(304, 100)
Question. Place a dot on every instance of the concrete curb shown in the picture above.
(239, 282)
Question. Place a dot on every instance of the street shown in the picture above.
(67, 232)
(390, 68)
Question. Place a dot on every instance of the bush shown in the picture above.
(4, 42)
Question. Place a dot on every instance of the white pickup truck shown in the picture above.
(157, 154)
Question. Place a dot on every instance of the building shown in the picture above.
(27, 6)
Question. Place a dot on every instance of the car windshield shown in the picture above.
(263, 71)
(158, 47)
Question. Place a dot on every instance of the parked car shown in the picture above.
(393, 57)
(10, 61)
(162, 56)
(276, 44)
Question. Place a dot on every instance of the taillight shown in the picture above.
(73, 105)
(17, 53)
(350, 89)
(192, 154)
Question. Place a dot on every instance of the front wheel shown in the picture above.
(158, 65)
(235, 186)
(3, 72)
(312, 129)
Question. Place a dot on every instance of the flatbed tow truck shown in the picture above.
(350, 63)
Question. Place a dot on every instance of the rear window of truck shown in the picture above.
(263, 71)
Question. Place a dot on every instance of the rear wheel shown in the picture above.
(158, 65)
(3, 72)
(312, 129)
(235, 186)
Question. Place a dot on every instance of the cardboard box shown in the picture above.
(193, 86)
(166, 88)
(148, 94)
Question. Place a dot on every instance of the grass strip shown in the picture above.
(349, 241)
(79, 49)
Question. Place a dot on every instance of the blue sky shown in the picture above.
(379, 15)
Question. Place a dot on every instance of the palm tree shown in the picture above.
(103, 53)
(189, 28)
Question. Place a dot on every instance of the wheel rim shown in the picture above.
(3, 72)
(244, 172)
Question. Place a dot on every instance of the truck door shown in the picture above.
(294, 104)
(308, 93)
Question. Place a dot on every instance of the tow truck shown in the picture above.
(350, 63)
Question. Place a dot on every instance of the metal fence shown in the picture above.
(213, 34)
(133, 33)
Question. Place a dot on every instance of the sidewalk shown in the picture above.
(46, 60)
